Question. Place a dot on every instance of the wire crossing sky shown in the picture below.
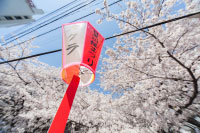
(15, 38)
(150, 26)
(50, 14)
(53, 20)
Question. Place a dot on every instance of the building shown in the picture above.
(17, 12)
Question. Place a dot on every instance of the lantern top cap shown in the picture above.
(76, 23)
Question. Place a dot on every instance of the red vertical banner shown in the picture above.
(60, 119)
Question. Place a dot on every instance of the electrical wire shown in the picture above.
(61, 26)
(51, 13)
(50, 22)
(32, 29)
(139, 29)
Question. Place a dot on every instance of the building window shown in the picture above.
(26, 17)
(8, 18)
(18, 17)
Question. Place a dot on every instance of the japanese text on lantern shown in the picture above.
(93, 48)
(72, 45)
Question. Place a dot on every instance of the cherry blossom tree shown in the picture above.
(157, 69)
(31, 91)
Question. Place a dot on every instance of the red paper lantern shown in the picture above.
(81, 48)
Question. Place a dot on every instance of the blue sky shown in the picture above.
(53, 40)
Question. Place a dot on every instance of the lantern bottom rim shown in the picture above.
(84, 71)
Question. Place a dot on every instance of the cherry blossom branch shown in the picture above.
(193, 110)
(60, 85)
(189, 49)
(87, 104)
(195, 85)
(15, 68)
(26, 83)
(23, 50)
(175, 79)
(185, 94)
(69, 120)
(160, 9)
(194, 80)
(143, 58)
(194, 60)
(138, 28)
(178, 41)
(138, 80)
(169, 95)
(35, 79)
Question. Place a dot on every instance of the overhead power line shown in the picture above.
(50, 22)
(61, 26)
(51, 13)
(139, 29)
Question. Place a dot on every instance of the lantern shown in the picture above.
(81, 48)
